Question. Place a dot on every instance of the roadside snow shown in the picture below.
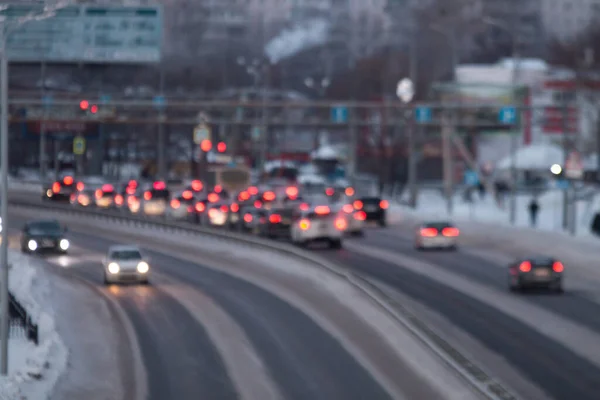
(33, 370)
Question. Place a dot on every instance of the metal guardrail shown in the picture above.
(20, 320)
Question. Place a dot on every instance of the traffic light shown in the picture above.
(84, 105)
(221, 147)
(94, 109)
(205, 145)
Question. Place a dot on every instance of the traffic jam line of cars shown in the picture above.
(275, 210)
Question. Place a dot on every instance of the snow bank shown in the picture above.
(33, 370)
(538, 157)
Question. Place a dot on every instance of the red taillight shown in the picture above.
(257, 204)
(56, 187)
(329, 191)
(304, 224)
(450, 232)
(196, 185)
(244, 196)
(348, 209)
(200, 207)
(341, 224)
(130, 190)
(98, 193)
(132, 184)
(224, 208)
(119, 199)
(275, 218)
(383, 204)
(322, 210)
(268, 196)
(107, 188)
(558, 267)
(304, 206)
(175, 203)
(159, 185)
(187, 194)
(358, 205)
(349, 191)
(360, 216)
(218, 189)
(213, 197)
(147, 195)
(429, 232)
(253, 190)
(80, 186)
(68, 180)
(525, 266)
(235, 207)
(248, 218)
(292, 191)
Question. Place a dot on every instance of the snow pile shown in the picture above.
(298, 39)
(33, 370)
(539, 157)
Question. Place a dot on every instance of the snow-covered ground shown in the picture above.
(431, 206)
(33, 370)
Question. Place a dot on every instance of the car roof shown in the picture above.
(123, 247)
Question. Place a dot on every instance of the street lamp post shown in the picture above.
(513, 138)
(406, 92)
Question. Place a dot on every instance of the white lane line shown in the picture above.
(244, 365)
(577, 338)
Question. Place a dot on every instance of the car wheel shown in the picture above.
(336, 244)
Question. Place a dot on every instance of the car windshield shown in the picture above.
(125, 255)
(45, 226)
(438, 225)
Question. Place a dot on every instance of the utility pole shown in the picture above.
(43, 126)
(162, 164)
(447, 133)
(413, 156)
(4, 322)
(565, 143)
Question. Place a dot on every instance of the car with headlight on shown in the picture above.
(437, 235)
(44, 235)
(318, 224)
(125, 263)
(536, 272)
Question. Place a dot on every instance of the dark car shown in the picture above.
(278, 223)
(536, 272)
(374, 207)
(43, 235)
(61, 190)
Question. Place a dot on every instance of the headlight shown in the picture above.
(143, 267)
(113, 268)
(64, 244)
(32, 245)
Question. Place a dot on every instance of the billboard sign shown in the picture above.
(87, 34)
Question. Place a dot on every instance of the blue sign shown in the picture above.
(561, 184)
(471, 178)
(423, 114)
(159, 101)
(339, 114)
(47, 100)
(105, 99)
(507, 115)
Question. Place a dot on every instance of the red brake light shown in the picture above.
(119, 199)
(360, 216)
(275, 218)
(348, 209)
(322, 210)
(130, 190)
(224, 208)
(200, 207)
(558, 267)
(197, 185)
(304, 206)
(525, 266)
(80, 186)
(429, 232)
(253, 190)
(329, 191)
(175, 203)
(107, 188)
(244, 196)
(358, 205)
(349, 191)
(450, 232)
(235, 207)
(132, 183)
(159, 185)
(147, 195)
(213, 197)
(187, 194)
(248, 218)
(384, 204)
(68, 180)
(291, 191)
(341, 224)
(56, 187)
(268, 196)
(257, 204)
(218, 189)
(98, 193)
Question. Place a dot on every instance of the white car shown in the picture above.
(437, 235)
(319, 223)
(181, 207)
(155, 200)
(125, 264)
